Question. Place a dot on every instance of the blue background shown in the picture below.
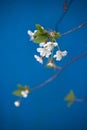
(45, 108)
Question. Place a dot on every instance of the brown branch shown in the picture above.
(74, 29)
(59, 72)
(63, 14)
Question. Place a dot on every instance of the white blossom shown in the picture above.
(59, 54)
(17, 103)
(31, 34)
(42, 44)
(44, 52)
(39, 59)
(49, 45)
(26, 91)
(24, 94)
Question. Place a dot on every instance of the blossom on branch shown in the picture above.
(50, 45)
(59, 54)
(25, 93)
(47, 44)
(39, 59)
(31, 34)
(44, 52)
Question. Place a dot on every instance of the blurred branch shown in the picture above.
(80, 100)
(65, 10)
(74, 29)
(59, 72)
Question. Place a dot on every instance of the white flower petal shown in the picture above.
(42, 44)
(49, 45)
(44, 52)
(39, 59)
(55, 43)
(58, 57)
(35, 31)
(31, 34)
(59, 54)
(39, 49)
(26, 91)
(64, 53)
(23, 93)
(48, 54)
(17, 103)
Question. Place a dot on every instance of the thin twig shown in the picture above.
(59, 72)
(63, 14)
(74, 29)
(79, 100)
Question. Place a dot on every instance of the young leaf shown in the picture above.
(57, 35)
(69, 103)
(40, 39)
(20, 87)
(17, 92)
(39, 27)
(37, 33)
(41, 31)
(70, 98)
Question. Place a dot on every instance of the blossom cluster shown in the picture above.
(22, 92)
(47, 49)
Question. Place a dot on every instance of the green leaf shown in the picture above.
(69, 104)
(37, 33)
(70, 96)
(41, 31)
(44, 33)
(20, 87)
(17, 93)
(39, 27)
(40, 39)
(58, 35)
